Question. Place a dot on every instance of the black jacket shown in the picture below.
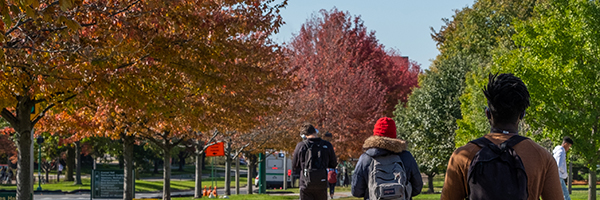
(376, 146)
(299, 158)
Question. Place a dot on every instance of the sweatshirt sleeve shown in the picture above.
(332, 158)
(296, 159)
(359, 177)
(415, 175)
(454, 183)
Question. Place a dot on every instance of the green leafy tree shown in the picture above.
(429, 119)
(558, 60)
(474, 36)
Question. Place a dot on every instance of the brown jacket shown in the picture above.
(542, 173)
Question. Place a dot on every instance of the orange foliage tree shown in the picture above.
(53, 51)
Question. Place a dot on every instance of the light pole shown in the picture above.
(40, 140)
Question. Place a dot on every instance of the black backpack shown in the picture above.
(497, 172)
(315, 170)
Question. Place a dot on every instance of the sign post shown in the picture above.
(262, 181)
(212, 151)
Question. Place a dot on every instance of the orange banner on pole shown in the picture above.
(217, 149)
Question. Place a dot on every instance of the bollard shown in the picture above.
(215, 192)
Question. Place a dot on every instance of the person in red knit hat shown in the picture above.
(383, 146)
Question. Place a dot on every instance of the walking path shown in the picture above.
(158, 195)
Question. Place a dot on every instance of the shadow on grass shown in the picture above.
(582, 189)
(148, 186)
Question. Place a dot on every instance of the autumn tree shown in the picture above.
(200, 39)
(51, 52)
(348, 79)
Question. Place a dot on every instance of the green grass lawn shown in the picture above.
(140, 185)
(248, 197)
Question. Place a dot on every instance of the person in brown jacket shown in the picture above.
(507, 99)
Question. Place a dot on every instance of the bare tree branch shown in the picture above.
(125, 9)
(10, 117)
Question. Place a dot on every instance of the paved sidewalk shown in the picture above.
(158, 195)
(336, 195)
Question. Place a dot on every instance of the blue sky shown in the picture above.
(399, 24)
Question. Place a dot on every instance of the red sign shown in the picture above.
(215, 150)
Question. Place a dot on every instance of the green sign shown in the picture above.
(107, 184)
(8, 195)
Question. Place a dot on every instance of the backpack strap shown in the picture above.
(310, 146)
(481, 142)
(512, 141)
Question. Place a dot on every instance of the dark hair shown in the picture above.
(567, 139)
(507, 97)
(307, 129)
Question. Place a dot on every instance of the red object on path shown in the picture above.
(332, 176)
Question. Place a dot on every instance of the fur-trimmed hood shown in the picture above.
(391, 144)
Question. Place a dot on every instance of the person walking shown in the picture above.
(3, 174)
(560, 155)
(9, 176)
(502, 164)
(311, 159)
(331, 180)
(385, 149)
(60, 169)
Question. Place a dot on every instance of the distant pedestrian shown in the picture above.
(560, 155)
(346, 177)
(60, 169)
(331, 180)
(3, 174)
(328, 136)
(9, 177)
(311, 159)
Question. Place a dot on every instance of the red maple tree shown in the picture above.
(348, 79)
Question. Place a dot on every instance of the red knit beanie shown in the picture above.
(385, 127)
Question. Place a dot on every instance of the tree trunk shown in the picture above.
(22, 124)
(167, 174)
(252, 161)
(156, 164)
(198, 188)
(204, 161)
(250, 181)
(121, 162)
(128, 187)
(181, 156)
(47, 177)
(70, 163)
(78, 163)
(228, 168)
(237, 175)
(430, 183)
(592, 185)
(24, 165)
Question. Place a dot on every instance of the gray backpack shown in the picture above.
(387, 179)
